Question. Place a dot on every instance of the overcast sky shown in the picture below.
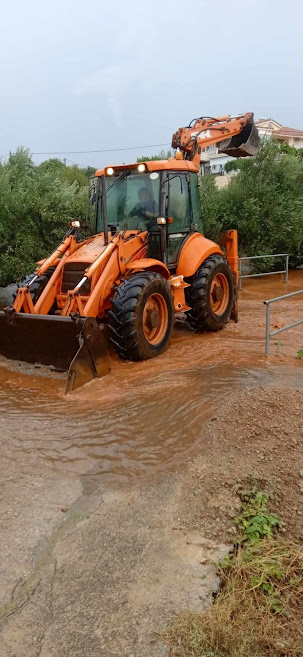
(78, 76)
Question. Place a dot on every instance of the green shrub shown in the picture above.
(36, 203)
(264, 201)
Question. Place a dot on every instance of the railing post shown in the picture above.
(268, 333)
(286, 267)
(267, 330)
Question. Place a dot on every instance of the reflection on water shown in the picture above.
(147, 426)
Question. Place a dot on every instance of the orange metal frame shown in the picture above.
(123, 256)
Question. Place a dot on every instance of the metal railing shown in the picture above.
(268, 333)
(266, 273)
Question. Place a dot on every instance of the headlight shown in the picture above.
(141, 168)
(110, 171)
(76, 224)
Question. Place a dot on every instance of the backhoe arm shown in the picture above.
(237, 136)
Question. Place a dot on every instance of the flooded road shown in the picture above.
(147, 416)
(149, 426)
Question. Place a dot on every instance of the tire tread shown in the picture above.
(200, 316)
(123, 317)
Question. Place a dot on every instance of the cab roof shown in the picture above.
(155, 165)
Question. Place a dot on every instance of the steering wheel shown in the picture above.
(137, 212)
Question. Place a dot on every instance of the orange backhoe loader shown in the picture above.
(147, 260)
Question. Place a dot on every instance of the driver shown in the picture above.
(144, 206)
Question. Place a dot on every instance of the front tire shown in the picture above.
(38, 286)
(141, 317)
(210, 295)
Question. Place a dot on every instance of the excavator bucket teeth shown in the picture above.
(61, 342)
(245, 144)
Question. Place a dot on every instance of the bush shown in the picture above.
(264, 201)
(36, 203)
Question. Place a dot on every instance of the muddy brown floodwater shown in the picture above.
(147, 416)
(94, 486)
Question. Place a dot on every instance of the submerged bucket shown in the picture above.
(77, 346)
(245, 144)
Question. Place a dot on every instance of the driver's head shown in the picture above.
(143, 195)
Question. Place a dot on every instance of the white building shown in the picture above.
(212, 161)
(271, 128)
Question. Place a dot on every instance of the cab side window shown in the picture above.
(178, 203)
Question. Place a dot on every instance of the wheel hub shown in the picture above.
(153, 318)
(217, 293)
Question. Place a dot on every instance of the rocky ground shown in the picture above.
(256, 437)
(119, 563)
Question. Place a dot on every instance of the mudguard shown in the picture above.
(194, 251)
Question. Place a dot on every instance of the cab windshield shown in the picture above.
(132, 201)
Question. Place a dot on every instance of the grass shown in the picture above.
(255, 521)
(300, 354)
(258, 611)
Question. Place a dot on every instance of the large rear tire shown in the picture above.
(141, 317)
(210, 295)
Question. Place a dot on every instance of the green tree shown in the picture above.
(71, 174)
(232, 165)
(264, 201)
(290, 150)
(89, 171)
(35, 206)
(163, 155)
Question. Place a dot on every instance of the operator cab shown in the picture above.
(166, 203)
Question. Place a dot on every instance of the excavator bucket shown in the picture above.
(245, 144)
(77, 345)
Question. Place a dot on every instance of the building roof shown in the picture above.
(289, 132)
(268, 123)
(278, 129)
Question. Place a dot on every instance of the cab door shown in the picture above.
(179, 210)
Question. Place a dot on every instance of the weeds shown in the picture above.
(279, 347)
(300, 354)
(255, 521)
(258, 610)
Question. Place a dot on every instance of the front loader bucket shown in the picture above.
(245, 144)
(74, 345)
(91, 360)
